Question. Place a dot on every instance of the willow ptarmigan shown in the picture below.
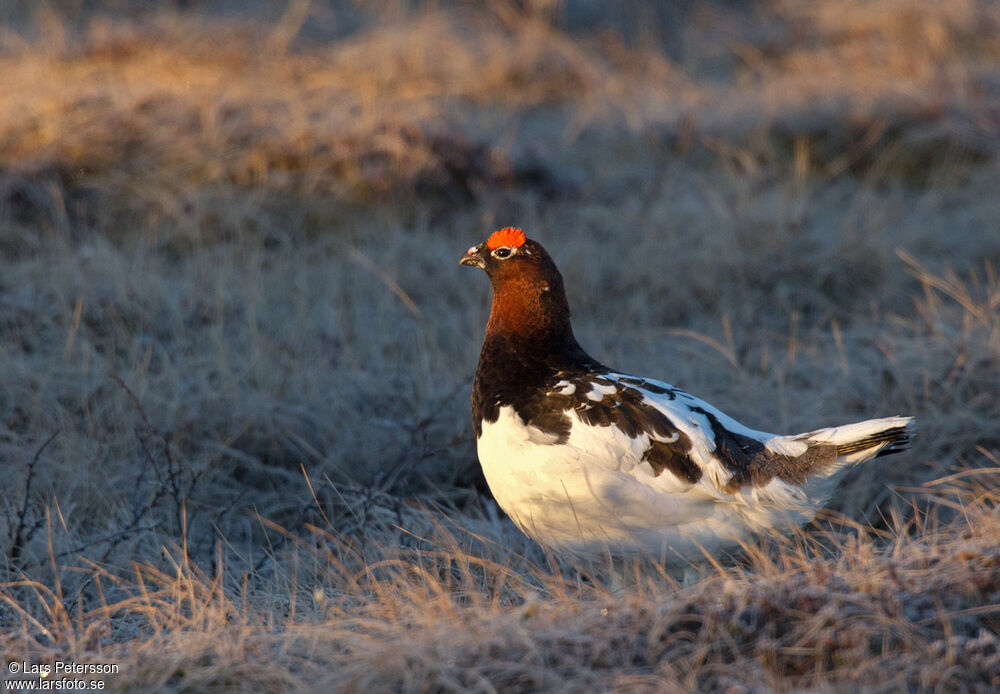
(590, 462)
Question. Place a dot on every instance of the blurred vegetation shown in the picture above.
(236, 349)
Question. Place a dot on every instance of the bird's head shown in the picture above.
(527, 287)
(510, 255)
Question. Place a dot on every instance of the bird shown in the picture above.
(590, 462)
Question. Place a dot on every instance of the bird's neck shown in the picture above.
(535, 316)
(529, 337)
(528, 343)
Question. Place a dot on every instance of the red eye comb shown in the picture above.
(508, 236)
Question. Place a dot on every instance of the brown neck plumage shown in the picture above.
(529, 322)
(529, 305)
(529, 341)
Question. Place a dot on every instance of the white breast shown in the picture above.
(594, 493)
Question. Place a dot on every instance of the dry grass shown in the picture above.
(236, 348)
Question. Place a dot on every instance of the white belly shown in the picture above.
(594, 494)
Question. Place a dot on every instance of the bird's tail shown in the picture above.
(863, 441)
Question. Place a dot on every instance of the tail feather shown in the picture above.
(805, 467)
(863, 441)
(888, 441)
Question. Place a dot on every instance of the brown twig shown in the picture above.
(22, 534)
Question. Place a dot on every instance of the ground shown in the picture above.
(236, 347)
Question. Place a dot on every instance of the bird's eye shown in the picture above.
(501, 253)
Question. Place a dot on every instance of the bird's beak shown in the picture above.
(474, 257)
